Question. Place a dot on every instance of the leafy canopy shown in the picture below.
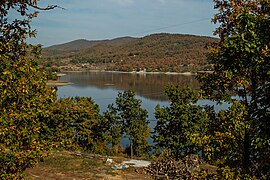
(241, 67)
(176, 122)
(133, 118)
(24, 96)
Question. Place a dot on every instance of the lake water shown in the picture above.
(103, 87)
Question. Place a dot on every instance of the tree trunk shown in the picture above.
(246, 160)
(131, 147)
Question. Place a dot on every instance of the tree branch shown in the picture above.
(49, 7)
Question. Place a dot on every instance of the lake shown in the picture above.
(149, 86)
(103, 87)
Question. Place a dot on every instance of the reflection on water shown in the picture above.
(150, 86)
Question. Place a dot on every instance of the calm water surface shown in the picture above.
(149, 86)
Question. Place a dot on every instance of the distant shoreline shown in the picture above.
(138, 72)
(57, 83)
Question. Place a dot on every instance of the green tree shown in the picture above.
(113, 127)
(24, 96)
(176, 122)
(241, 67)
(223, 142)
(134, 121)
(76, 123)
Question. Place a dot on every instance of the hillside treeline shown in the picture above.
(153, 53)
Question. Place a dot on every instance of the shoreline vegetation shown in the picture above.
(145, 72)
(135, 72)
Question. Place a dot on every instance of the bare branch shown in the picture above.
(49, 7)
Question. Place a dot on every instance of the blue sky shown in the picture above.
(108, 19)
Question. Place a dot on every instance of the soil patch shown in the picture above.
(78, 166)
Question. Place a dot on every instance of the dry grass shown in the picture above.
(67, 165)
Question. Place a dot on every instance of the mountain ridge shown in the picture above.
(80, 44)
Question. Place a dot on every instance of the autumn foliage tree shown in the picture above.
(75, 123)
(133, 122)
(24, 97)
(241, 67)
(176, 123)
(222, 144)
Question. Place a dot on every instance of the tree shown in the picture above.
(222, 143)
(24, 96)
(176, 122)
(76, 123)
(241, 67)
(134, 121)
(113, 127)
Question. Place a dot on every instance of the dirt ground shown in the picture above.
(78, 166)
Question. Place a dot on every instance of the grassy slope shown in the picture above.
(67, 165)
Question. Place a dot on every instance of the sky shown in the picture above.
(108, 19)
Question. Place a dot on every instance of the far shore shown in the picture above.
(57, 83)
(139, 72)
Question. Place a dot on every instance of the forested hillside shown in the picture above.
(157, 52)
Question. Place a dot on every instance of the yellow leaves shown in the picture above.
(265, 51)
(19, 121)
(208, 149)
(25, 90)
(242, 82)
(205, 138)
(32, 69)
(213, 49)
(12, 115)
(7, 72)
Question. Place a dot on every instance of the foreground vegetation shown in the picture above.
(236, 141)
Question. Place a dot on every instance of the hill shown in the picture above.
(81, 44)
(156, 52)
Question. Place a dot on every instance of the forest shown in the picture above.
(153, 53)
(236, 141)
